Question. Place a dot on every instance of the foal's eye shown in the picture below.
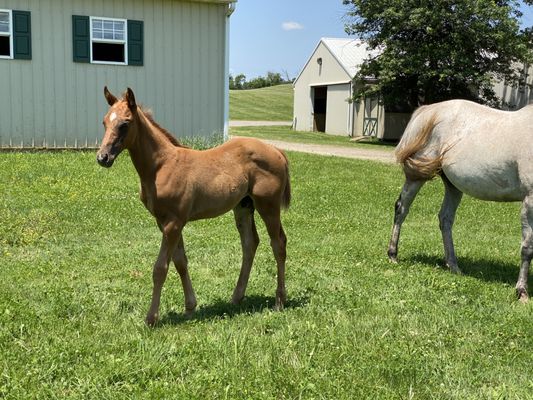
(123, 128)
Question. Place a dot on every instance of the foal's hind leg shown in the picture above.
(271, 216)
(244, 219)
(401, 209)
(527, 247)
(452, 198)
(180, 261)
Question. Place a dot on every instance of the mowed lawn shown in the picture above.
(77, 248)
(272, 103)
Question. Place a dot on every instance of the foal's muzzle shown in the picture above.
(105, 159)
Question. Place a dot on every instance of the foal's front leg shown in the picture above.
(171, 233)
(527, 247)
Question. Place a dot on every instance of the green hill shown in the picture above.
(272, 103)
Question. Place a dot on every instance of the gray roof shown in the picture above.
(350, 53)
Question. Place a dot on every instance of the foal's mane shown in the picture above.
(150, 117)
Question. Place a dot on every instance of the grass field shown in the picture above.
(287, 134)
(76, 252)
(273, 103)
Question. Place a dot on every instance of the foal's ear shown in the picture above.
(130, 98)
(109, 97)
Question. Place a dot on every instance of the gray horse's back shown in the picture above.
(483, 152)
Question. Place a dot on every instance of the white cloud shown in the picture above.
(291, 26)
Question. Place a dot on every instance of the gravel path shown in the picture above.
(338, 151)
(260, 123)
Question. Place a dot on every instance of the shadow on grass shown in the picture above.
(222, 309)
(479, 268)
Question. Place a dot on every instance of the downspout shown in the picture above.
(229, 11)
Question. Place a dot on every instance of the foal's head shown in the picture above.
(120, 124)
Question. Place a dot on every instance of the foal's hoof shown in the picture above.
(281, 298)
(189, 311)
(393, 256)
(236, 300)
(151, 320)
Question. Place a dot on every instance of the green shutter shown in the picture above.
(80, 39)
(21, 35)
(135, 42)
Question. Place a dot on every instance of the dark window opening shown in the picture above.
(5, 48)
(109, 52)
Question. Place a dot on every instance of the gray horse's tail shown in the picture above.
(416, 164)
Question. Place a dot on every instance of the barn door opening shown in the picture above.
(320, 100)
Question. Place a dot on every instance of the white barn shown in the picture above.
(323, 91)
(56, 57)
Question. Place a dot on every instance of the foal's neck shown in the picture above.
(151, 148)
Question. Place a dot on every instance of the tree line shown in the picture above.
(239, 82)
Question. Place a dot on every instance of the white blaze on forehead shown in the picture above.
(112, 117)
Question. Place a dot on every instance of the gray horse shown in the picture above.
(476, 150)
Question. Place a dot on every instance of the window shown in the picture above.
(101, 40)
(108, 40)
(15, 34)
(6, 34)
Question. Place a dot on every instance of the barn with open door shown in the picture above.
(323, 89)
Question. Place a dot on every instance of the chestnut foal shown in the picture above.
(179, 184)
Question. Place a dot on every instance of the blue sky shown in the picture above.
(279, 35)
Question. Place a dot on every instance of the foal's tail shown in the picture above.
(415, 138)
(286, 198)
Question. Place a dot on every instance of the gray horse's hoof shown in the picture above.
(523, 297)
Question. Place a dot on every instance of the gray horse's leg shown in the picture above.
(527, 247)
(401, 209)
(452, 198)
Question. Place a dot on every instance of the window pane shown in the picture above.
(108, 25)
(108, 35)
(4, 46)
(97, 24)
(4, 22)
(97, 34)
(111, 52)
(119, 36)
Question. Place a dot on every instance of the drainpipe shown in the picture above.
(229, 11)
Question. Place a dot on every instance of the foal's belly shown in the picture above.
(497, 181)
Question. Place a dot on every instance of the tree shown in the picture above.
(434, 50)
(239, 81)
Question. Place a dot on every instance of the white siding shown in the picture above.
(55, 102)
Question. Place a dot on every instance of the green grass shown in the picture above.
(287, 134)
(273, 103)
(77, 247)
